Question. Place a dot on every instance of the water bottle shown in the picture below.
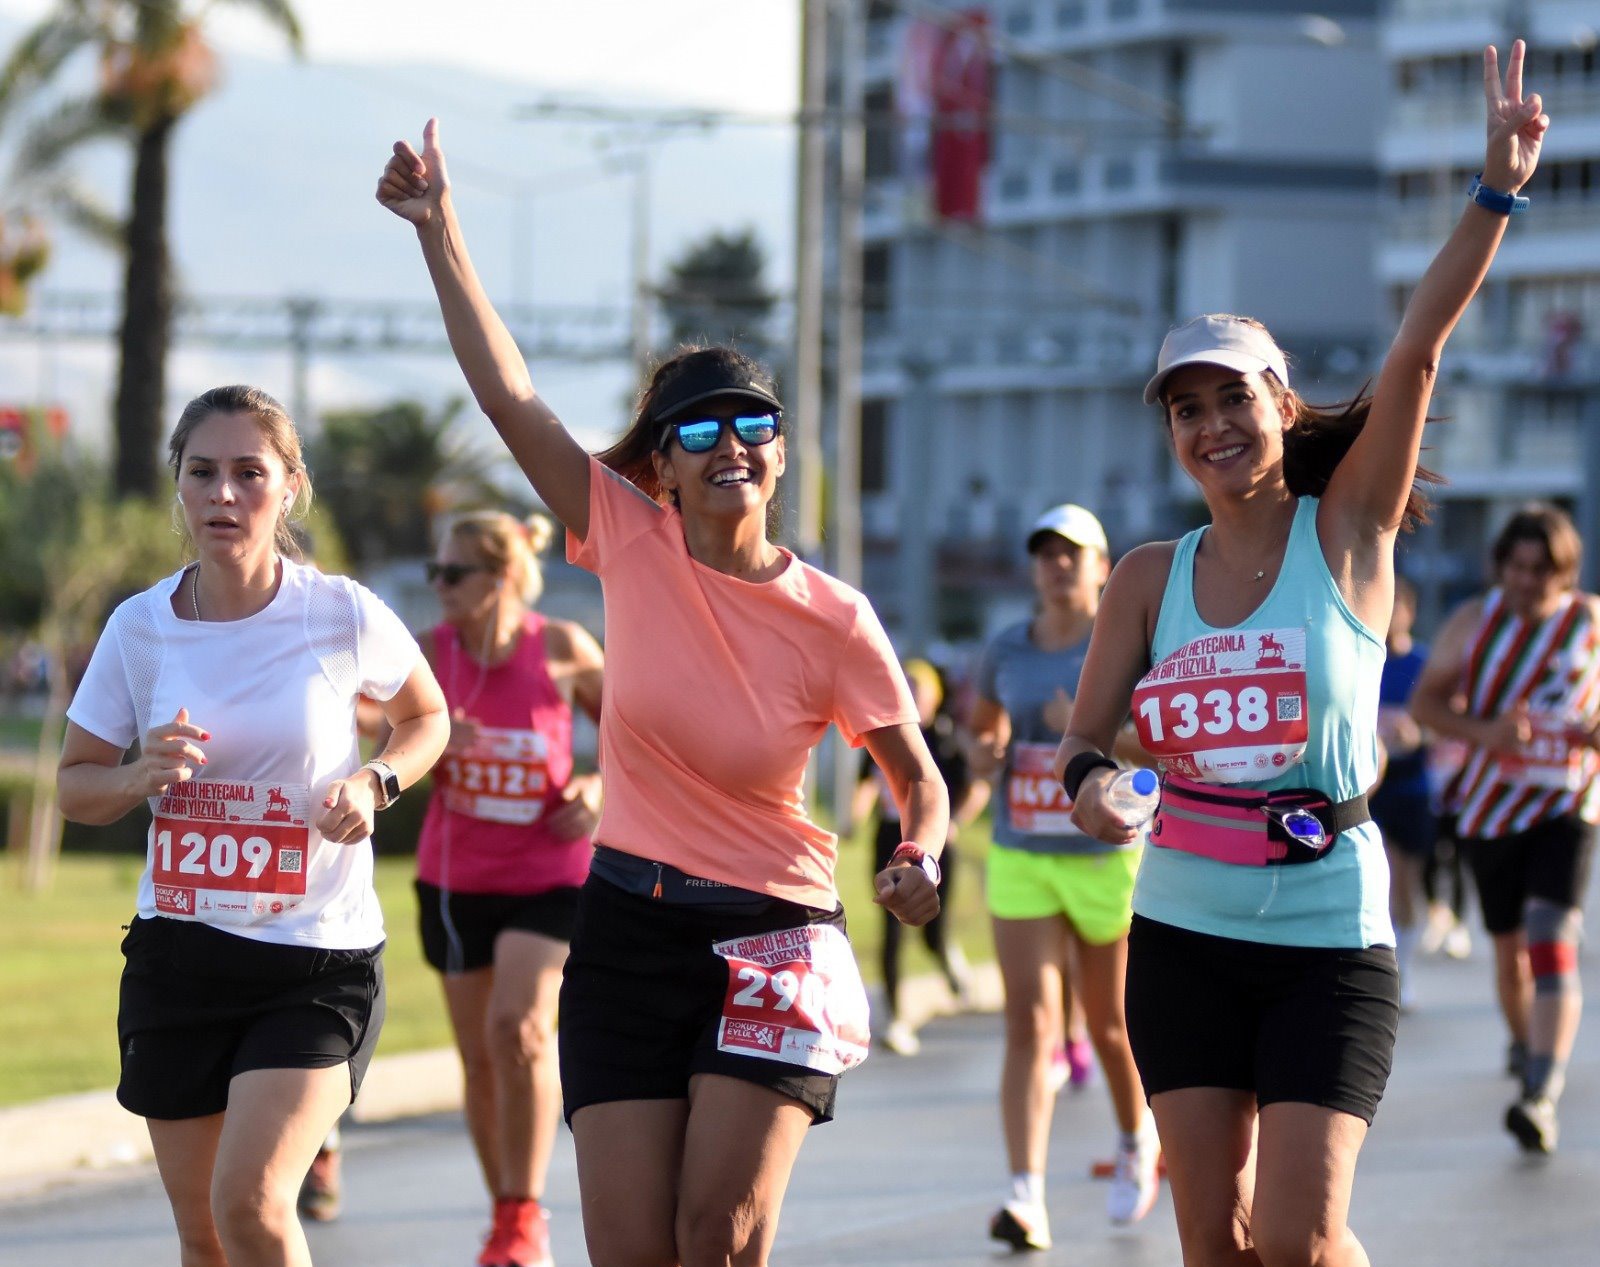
(1133, 796)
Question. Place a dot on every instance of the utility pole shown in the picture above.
(846, 544)
(803, 512)
(914, 433)
(846, 551)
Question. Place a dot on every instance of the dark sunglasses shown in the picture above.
(452, 573)
(701, 435)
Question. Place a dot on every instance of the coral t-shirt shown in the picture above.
(716, 691)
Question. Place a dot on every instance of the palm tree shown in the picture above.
(384, 473)
(154, 67)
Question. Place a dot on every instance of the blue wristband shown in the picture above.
(1494, 200)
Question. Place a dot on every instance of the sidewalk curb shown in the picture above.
(69, 1137)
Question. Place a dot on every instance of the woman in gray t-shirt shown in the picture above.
(1055, 894)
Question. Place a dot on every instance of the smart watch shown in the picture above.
(1494, 200)
(917, 856)
(388, 783)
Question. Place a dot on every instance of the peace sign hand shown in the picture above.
(1516, 123)
(414, 186)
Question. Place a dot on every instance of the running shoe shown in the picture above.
(1533, 1121)
(1021, 1225)
(1458, 942)
(1060, 1069)
(319, 1191)
(1080, 1063)
(1137, 1181)
(1441, 922)
(901, 1039)
(520, 1236)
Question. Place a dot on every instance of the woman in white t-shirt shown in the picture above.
(253, 991)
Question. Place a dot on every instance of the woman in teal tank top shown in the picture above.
(1262, 997)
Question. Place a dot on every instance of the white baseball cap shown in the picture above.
(1074, 523)
(1217, 339)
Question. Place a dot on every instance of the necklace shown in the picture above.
(194, 591)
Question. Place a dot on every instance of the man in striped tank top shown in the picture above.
(1516, 674)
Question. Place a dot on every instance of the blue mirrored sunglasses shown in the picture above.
(701, 435)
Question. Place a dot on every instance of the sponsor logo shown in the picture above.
(1261, 760)
(1279, 758)
(277, 908)
(753, 1034)
(175, 901)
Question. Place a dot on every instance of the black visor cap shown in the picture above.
(700, 383)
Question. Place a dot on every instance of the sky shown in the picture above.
(388, 65)
(735, 54)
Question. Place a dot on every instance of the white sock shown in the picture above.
(1027, 1189)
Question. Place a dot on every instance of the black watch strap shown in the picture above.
(1080, 767)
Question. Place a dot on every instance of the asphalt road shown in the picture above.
(911, 1170)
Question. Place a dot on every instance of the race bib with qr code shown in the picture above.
(1228, 707)
(230, 852)
(795, 995)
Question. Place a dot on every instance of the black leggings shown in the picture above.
(933, 932)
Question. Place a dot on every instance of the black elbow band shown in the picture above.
(1080, 767)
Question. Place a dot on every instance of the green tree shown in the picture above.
(68, 551)
(154, 67)
(716, 292)
(382, 474)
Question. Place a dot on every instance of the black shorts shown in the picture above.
(459, 929)
(642, 997)
(199, 1005)
(1406, 820)
(1550, 860)
(1295, 1024)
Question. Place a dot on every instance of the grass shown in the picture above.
(58, 993)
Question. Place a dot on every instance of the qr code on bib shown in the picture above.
(289, 861)
(1289, 707)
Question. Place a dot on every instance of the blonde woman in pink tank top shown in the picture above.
(504, 850)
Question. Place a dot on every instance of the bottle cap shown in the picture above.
(1144, 782)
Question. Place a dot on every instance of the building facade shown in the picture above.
(1148, 160)
(1520, 382)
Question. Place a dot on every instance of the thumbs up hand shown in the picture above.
(414, 186)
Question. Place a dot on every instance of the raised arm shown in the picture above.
(1367, 495)
(416, 187)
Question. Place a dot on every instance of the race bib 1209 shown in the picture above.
(221, 850)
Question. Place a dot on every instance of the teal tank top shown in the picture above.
(1321, 733)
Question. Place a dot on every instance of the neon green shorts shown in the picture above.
(1094, 891)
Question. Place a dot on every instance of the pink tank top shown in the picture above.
(484, 831)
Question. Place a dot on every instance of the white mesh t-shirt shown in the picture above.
(235, 847)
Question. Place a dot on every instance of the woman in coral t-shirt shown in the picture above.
(711, 999)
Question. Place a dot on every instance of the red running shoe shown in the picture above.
(520, 1236)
